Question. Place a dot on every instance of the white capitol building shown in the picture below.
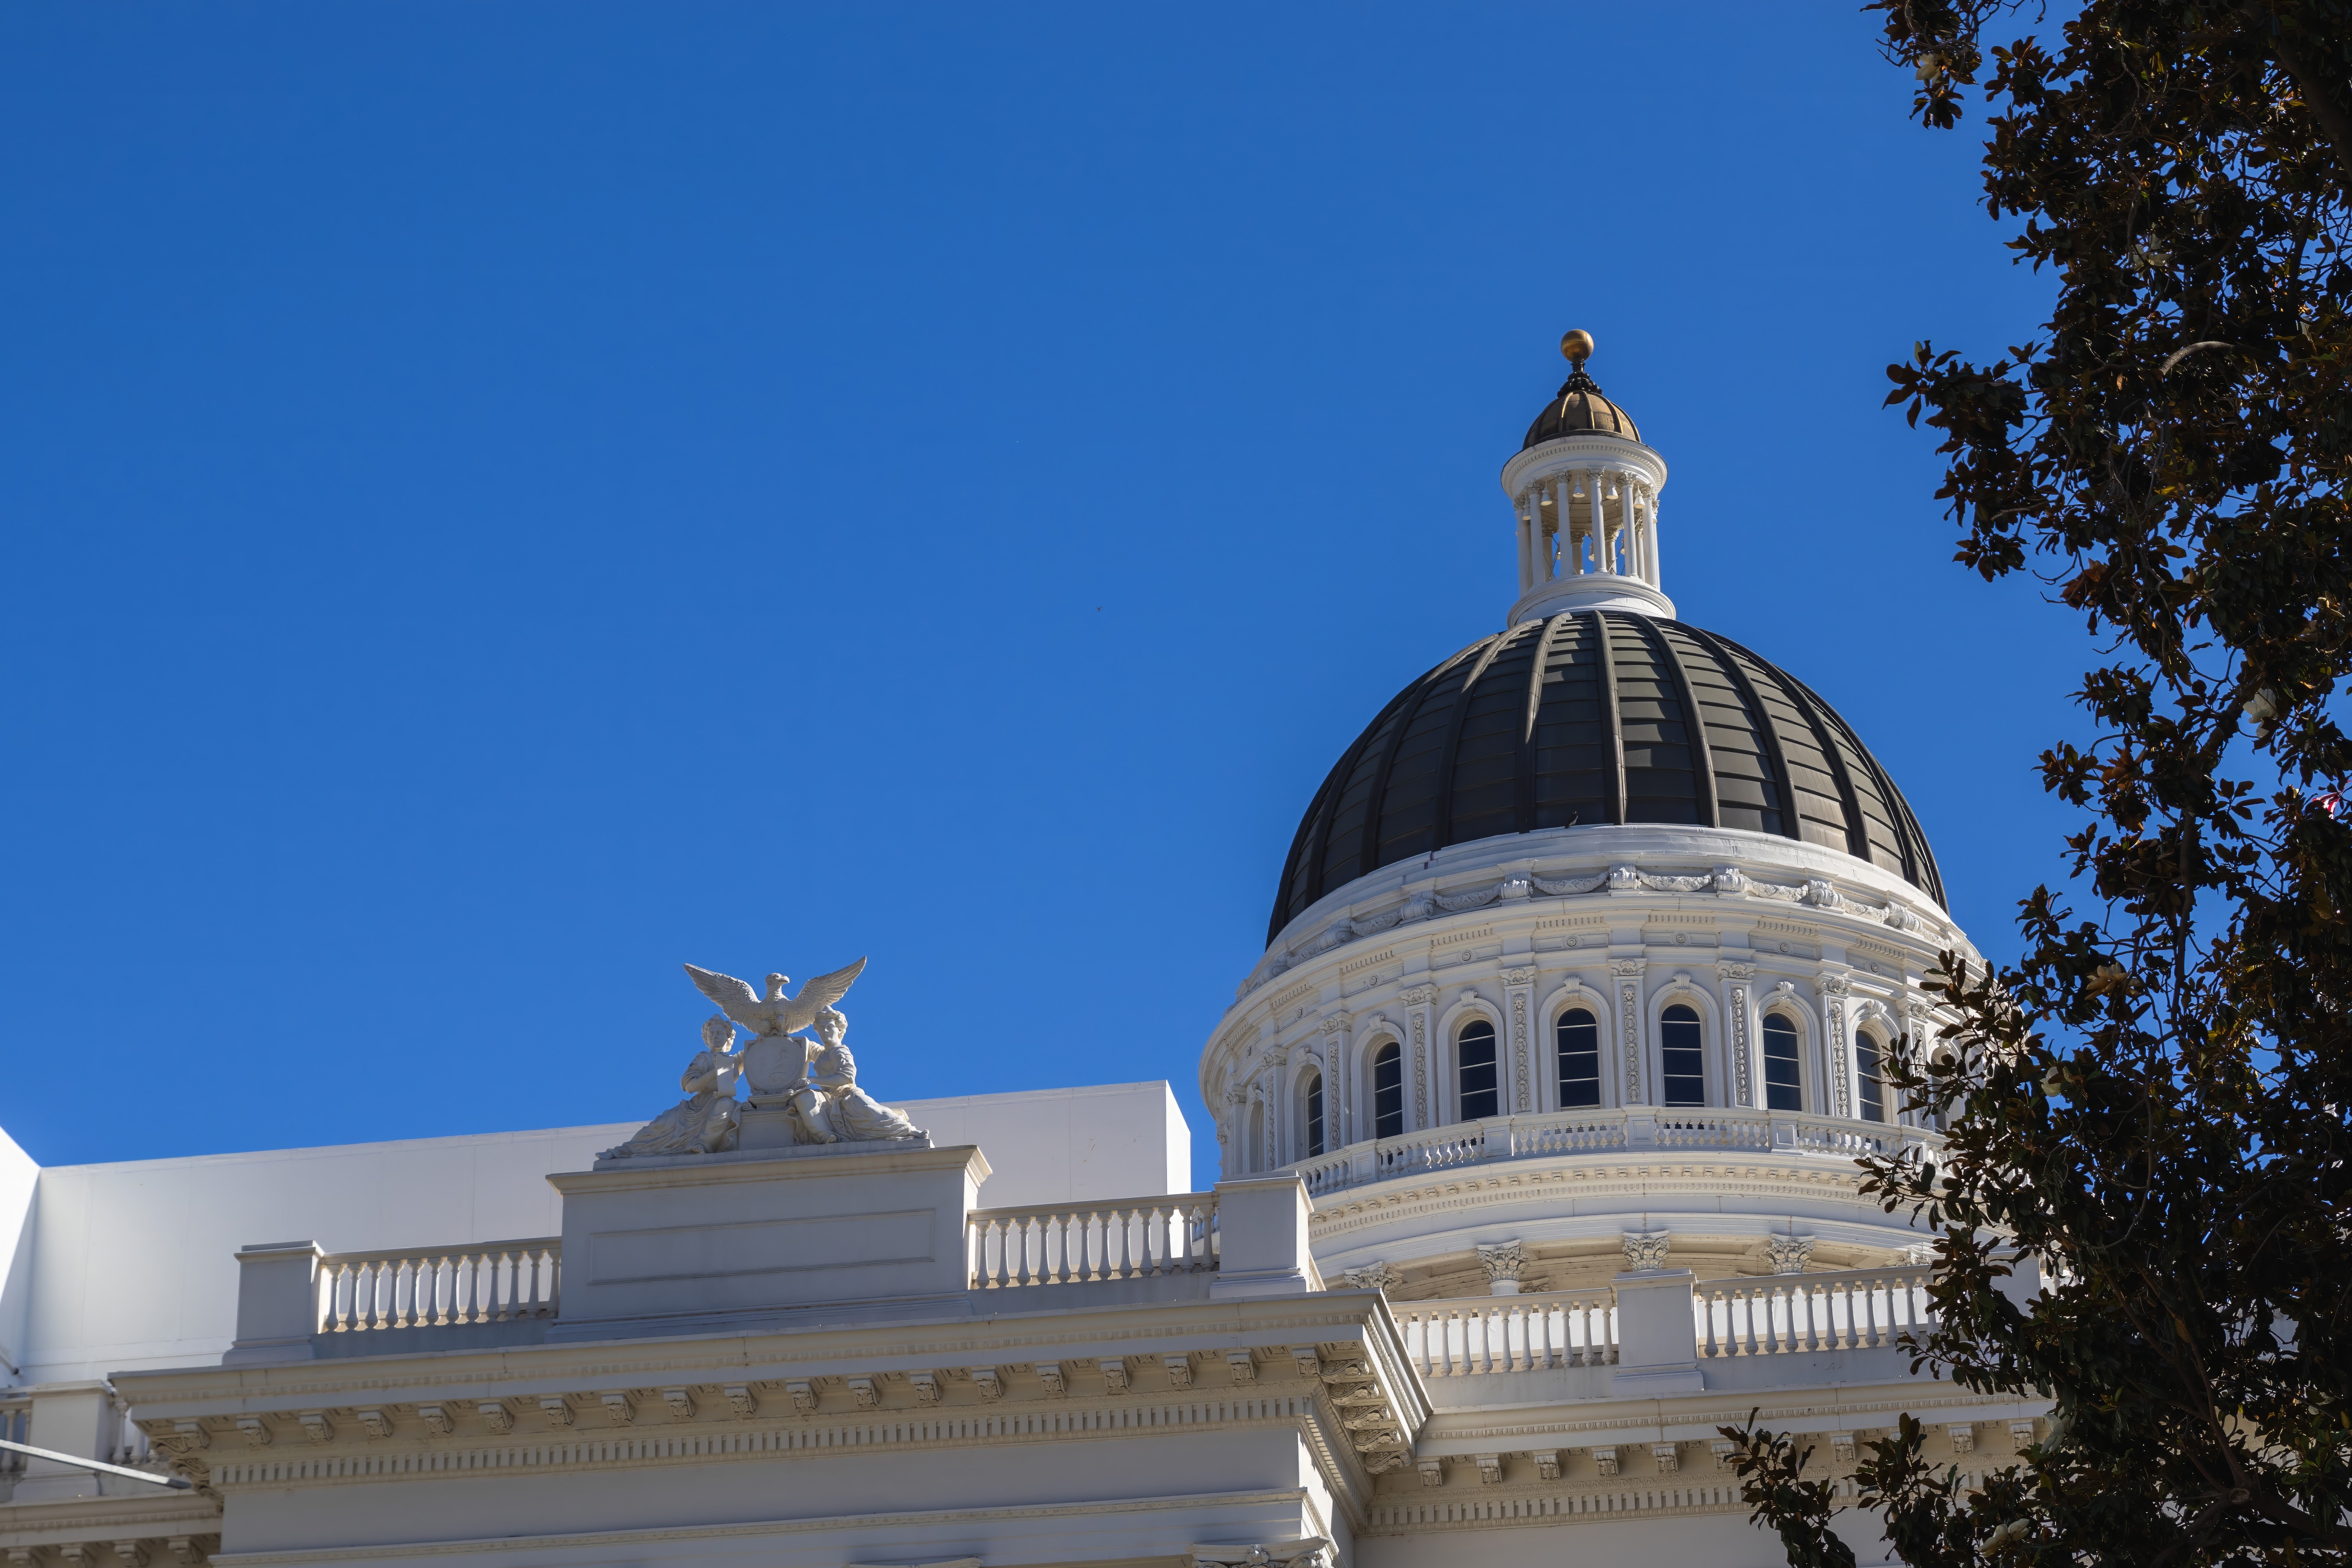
(1537, 1123)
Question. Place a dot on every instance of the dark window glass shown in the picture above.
(1474, 1048)
(1783, 1088)
(1388, 1091)
(1580, 1059)
(1685, 1062)
(1865, 1067)
(1314, 1114)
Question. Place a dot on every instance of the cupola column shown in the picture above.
(1528, 551)
(1599, 509)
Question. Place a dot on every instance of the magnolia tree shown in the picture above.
(2155, 1103)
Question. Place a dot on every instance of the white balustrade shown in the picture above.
(1581, 1132)
(1509, 1333)
(486, 1282)
(1068, 1243)
(1782, 1314)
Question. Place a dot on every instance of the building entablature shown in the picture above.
(1726, 868)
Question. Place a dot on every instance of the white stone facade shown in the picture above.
(1540, 1166)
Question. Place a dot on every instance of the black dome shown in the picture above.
(1584, 719)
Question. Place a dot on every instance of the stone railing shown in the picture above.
(1854, 1308)
(1068, 1243)
(1509, 1333)
(1778, 1314)
(432, 1287)
(1636, 1127)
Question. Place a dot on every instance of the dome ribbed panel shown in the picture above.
(1409, 799)
(1486, 791)
(1574, 759)
(1661, 775)
(1895, 841)
(1748, 795)
(1819, 805)
(1342, 839)
(1567, 722)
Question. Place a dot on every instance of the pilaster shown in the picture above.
(1421, 1020)
(1518, 1004)
(1626, 975)
(1737, 981)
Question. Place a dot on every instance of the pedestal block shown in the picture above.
(1657, 1349)
(765, 1229)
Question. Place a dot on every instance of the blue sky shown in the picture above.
(495, 502)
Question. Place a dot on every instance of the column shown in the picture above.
(1658, 579)
(1641, 523)
(1527, 552)
(1600, 562)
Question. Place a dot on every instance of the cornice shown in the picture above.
(1721, 1173)
(1003, 1334)
(918, 1519)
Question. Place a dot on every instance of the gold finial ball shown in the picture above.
(1576, 346)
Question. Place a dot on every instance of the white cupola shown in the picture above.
(1585, 489)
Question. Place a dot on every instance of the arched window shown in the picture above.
(1783, 1086)
(1684, 1060)
(1388, 1091)
(1870, 1085)
(1310, 1100)
(1580, 1059)
(1473, 1049)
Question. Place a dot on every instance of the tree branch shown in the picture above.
(2331, 118)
